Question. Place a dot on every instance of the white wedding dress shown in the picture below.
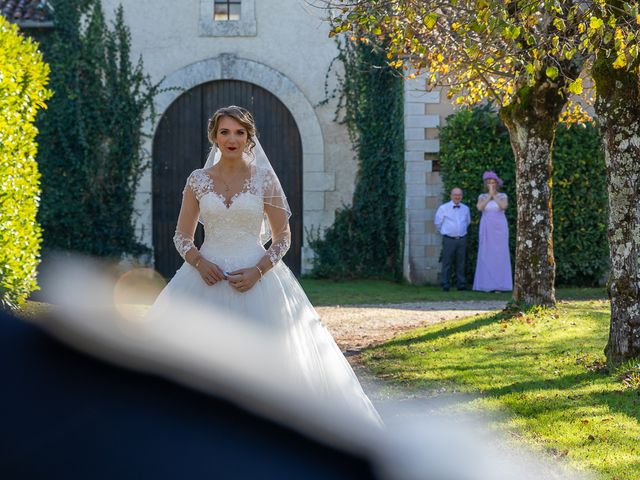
(276, 303)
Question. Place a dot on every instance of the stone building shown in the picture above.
(271, 57)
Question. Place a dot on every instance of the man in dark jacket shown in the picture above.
(68, 415)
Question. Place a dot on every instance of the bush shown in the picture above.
(474, 140)
(91, 157)
(23, 80)
(580, 241)
(366, 238)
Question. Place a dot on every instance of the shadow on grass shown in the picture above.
(488, 305)
(621, 401)
(446, 331)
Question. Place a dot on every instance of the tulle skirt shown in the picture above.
(278, 306)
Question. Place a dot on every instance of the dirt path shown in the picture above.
(357, 327)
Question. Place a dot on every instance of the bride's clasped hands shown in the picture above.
(244, 279)
(209, 271)
(241, 280)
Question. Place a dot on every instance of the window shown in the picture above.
(227, 18)
(226, 10)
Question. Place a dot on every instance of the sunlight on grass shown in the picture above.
(353, 292)
(543, 370)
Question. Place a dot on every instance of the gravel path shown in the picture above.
(357, 327)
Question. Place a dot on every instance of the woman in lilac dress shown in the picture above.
(493, 269)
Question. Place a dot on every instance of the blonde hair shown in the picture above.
(240, 115)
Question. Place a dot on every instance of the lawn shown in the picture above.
(543, 371)
(328, 292)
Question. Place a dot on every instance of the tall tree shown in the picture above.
(617, 85)
(522, 55)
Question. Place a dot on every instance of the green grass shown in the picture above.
(357, 292)
(328, 292)
(543, 370)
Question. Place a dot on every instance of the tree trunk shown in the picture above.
(531, 122)
(618, 109)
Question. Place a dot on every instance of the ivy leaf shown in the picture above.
(595, 23)
(621, 61)
(551, 72)
(511, 33)
(559, 24)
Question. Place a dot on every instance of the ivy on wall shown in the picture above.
(366, 238)
(91, 158)
(474, 140)
(23, 94)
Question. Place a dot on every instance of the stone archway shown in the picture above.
(180, 144)
(230, 67)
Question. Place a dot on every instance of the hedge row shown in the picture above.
(23, 91)
(366, 238)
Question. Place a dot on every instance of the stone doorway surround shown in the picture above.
(315, 180)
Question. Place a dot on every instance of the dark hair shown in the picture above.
(239, 114)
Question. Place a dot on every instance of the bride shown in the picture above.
(238, 199)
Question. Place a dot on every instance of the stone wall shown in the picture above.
(424, 113)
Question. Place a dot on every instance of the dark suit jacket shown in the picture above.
(66, 415)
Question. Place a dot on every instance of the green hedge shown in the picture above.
(23, 80)
(91, 157)
(474, 140)
(366, 238)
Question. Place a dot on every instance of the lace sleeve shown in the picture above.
(279, 248)
(183, 243)
(280, 233)
(187, 219)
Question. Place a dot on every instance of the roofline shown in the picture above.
(33, 24)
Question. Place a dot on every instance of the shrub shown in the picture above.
(474, 140)
(23, 80)
(91, 157)
(579, 207)
(366, 238)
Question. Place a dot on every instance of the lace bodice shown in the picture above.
(232, 226)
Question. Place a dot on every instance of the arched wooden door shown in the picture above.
(180, 146)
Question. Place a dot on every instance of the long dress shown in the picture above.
(493, 267)
(276, 303)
